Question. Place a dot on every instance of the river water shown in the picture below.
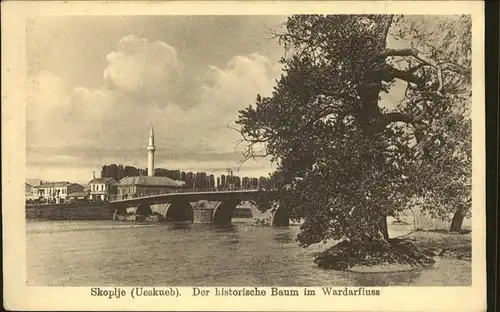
(113, 253)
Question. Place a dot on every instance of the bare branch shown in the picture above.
(454, 68)
(428, 61)
(249, 152)
(245, 137)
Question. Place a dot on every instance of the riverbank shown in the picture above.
(75, 211)
(443, 244)
(413, 251)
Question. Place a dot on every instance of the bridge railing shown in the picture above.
(119, 197)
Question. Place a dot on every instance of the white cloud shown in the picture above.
(231, 89)
(148, 70)
(56, 117)
(46, 89)
(47, 104)
(140, 79)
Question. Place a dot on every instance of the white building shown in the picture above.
(55, 190)
(102, 188)
(28, 192)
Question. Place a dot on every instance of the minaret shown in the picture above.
(151, 152)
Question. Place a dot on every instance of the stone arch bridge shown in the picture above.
(214, 207)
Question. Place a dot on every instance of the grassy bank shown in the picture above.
(408, 252)
(443, 244)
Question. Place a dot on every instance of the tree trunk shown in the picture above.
(383, 228)
(458, 219)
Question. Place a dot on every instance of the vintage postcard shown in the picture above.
(300, 156)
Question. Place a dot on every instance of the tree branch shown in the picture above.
(415, 68)
(245, 138)
(417, 124)
(440, 67)
(389, 73)
(249, 152)
(387, 27)
(397, 116)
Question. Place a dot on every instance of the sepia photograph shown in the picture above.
(256, 150)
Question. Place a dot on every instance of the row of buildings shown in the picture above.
(100, 189)
(104, 189)
(54, 191)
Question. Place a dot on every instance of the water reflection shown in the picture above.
(223, 228)
(386, 279)
(229, 239)
(283, 236)
(178, 225)
(186, 254)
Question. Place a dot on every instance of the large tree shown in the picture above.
(349, 151)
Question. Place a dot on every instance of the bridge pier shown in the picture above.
(141, 212)
(203, 212)
(280, 216)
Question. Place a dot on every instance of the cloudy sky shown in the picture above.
(96, 83)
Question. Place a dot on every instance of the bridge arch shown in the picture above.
(120, 209)
(177, 207)
(223, 211)
(178, 211)
(143, 209)
(159, 208)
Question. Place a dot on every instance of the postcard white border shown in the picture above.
(19, 296)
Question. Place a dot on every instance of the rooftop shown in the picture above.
(77, 194)
(107, 180)
(53, 184)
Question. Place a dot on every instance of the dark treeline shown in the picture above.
(194, 180)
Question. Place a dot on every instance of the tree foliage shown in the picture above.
(200, 181)
(345, 157)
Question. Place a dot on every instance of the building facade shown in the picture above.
(102, 189)
(28, 192)
(55, 191)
